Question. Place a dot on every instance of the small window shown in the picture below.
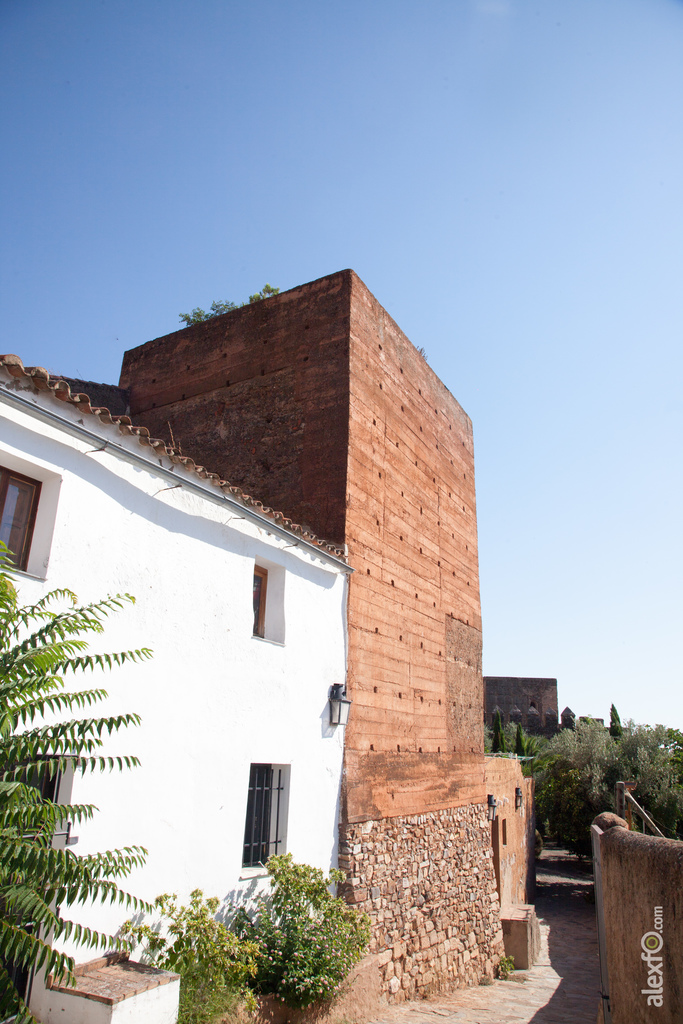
(260, 587)
(505, 832)
(266, 824)
(269, 602)
(18, 504)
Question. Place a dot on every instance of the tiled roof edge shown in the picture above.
(61, 391)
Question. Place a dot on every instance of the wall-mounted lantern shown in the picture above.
(491, 807)
(339, 705)
(519, 799)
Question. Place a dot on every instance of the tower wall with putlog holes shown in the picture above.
(316, 402)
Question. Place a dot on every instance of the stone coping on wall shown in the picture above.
(112, 978)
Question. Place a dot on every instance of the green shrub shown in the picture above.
(308, 940)
(215, 966)
(198, 316)
(505, 967)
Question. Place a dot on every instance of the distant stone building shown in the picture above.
(528, 700)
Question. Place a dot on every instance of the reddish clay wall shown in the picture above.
(316, 403)
(260, 396)
(512, 831)
(642, 885)
(415, 739)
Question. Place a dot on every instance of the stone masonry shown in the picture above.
(427, 883)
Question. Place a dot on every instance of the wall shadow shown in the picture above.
(562, 902)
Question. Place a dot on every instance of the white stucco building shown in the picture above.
(222, 708)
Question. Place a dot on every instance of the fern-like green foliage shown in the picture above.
(39, 646)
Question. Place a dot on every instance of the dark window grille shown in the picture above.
(266, 785)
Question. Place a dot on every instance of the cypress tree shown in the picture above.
(520, 745)
(615, 727)
(498, 746)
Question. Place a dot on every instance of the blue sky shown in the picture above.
(505, 176)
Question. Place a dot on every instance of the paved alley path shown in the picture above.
(563, 988)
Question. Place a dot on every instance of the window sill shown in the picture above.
(25, 575)
(265, 640)
(258, 872)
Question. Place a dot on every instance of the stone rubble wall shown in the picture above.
(427, 883)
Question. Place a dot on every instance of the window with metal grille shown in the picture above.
(265, 827)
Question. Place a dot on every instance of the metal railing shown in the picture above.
(626, 804)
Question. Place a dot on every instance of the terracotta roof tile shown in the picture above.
(61, 391)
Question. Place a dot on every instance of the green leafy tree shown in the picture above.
(499, 745)
(308, 939)
(645, 755)
(197, 316)
(615, 726)
(674, 744)
(214, 965)
(580, 768)
(39, 646)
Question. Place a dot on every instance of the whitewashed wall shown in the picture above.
(214, 699)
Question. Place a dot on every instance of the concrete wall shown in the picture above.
(214, 698)
(642, 879)
(157, 1006)
(512, 831)
(109, 990)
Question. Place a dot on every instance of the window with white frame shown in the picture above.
(265, 828)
